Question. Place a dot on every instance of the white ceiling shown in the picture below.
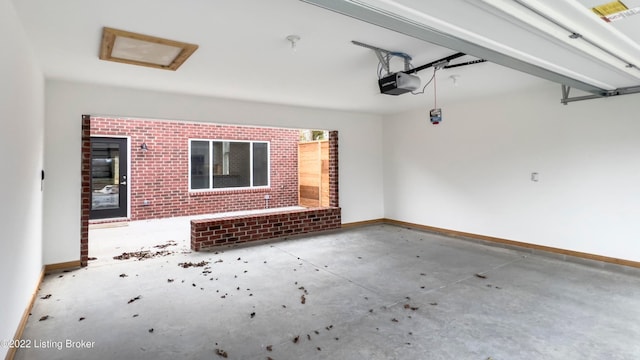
(243, 52)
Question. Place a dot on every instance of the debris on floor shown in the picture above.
(142, 255)
(44, 318)
(45, 297)
(269, 347)
(123, 275)
(134, 299)
(164, 246)
(296, 339)
(481, 276)
(222, 353)
(407, 306)
(190, 264)
(81, 318)
(151, 330)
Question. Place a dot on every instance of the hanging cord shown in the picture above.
(435, 92)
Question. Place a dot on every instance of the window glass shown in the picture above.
(234, 163)
(200, 164)
(260, 164)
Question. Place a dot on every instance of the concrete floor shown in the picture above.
(376, 292)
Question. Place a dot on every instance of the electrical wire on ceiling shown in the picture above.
(427, 84)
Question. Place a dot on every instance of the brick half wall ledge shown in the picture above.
(212, 233)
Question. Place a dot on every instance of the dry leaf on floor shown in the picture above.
(222, 353)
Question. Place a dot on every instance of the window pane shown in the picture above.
(199, 164)
(234, 160)
(260, 164)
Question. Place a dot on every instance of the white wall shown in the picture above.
(472, 172)
(21, 146)
(360, 168)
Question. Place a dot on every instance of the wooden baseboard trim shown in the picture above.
(550, 249)
(362, 223)
(62, 266)
(25, 317)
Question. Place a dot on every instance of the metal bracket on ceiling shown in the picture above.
(620, 91)
(384, 56)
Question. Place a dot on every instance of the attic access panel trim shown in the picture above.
(361, 11)
(143, 50)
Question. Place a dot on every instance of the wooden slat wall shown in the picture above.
(313, 173)
(324, 173)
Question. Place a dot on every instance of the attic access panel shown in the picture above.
(144, 50)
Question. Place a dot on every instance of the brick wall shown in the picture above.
(85, 189)
(209, 233)
(161, 174)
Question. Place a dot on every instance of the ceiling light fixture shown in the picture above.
(144, 50)
(293, 39)
(454, 79)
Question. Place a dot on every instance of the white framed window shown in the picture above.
(228, 164)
